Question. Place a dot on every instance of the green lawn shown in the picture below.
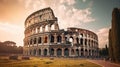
(46, 62)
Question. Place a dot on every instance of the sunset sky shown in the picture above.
(94, 15)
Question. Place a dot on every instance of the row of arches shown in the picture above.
(63, 52)
(45, 40)
(61, 39)
(41, 29)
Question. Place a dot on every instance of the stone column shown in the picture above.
(38, 30)
(69, 51)
(63, 38)
(49, 28)
(48, 52)
(42, 50)
(55, 52)
(62, 51)
(55, 38)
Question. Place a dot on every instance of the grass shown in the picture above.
(46, 62)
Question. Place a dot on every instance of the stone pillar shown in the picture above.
(38, 30)
(63, 38)
(55, 38)
(49, 28)
(69, 51)
(42, 51)
(79, 51)
(62, 51)
(48, 52)
(74, 37)
(55, 52)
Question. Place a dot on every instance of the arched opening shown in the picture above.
(82, 52)
(59, 52)
(39, 40)
(30, 52)
(77, 39)
(77, 52)
(51, 38)
(85, 41)
(41, 29)
(39, 51)
(59, 38)
(36, 30)
(30, 41)
(86, 52)
(72, 52)
(34, 52)
(46, 28)
(81, 41)
(53, 27)
(52, 52)
(45, 52)
(35, 40)
(66, 52)
(45, 40)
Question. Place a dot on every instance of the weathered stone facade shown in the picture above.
(44, 38)
(114, 36)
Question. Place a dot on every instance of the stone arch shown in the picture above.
(82, 52)
(59, 38)
(46, 28)
(72, 52)
(30, 52)
(52, 27)
(71, 39)
(51, 38)
(66, 52)
(30, 41)
(52, 52)
(39, 40)
(34, 52)
(45, 39)
(41, 29)
(39, 51)
(77, 52)
(81, 41)
(45, 52)
(77, 40)
(36, 30)
(85, 41)
(35, 40)
(59, 52)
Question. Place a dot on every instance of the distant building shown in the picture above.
(44, 38)
(114, 36)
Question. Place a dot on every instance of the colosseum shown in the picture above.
(44, 38)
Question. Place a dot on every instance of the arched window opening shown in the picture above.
(66, 52)
(81, 41)
(34, 40)
(51, 38)
(45, 40)
(59, 38)
(77, 39)
(52, 52)
(45, 52)
(59, 52)
(46, 28)
(31, 41)
(39, 40)
(85, 41)
(53, 27)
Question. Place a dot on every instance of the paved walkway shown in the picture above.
(104, 63)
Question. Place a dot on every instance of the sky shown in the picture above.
(94, 15)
